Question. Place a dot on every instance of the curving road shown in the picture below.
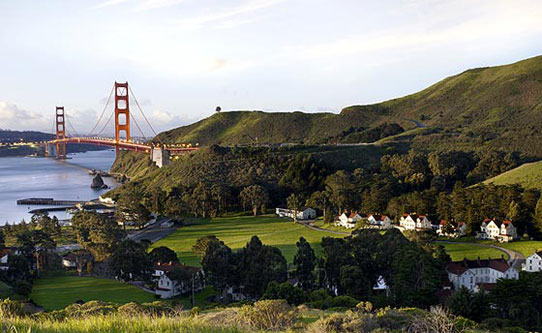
(515, 259)
(307, 224)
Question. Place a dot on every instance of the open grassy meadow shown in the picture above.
(459, 251)
(236, 231)
(57, 291)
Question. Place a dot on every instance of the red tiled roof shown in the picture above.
(443, 222)
(4, 252)
(352, 215)
(168, 267)
(459, 267)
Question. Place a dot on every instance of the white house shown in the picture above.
(456, 230)
(502, 232)
(305, 213)
(382, 221)
(480, 272)
(166, 284)
(533, 263)
(4, 257)
(348, 220)
(415, 222)
(69, 261)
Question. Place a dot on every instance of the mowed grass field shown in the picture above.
(524, 247)
(57, 291)
(460, 251)
(236, 231)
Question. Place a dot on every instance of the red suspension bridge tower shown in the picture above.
(60, 133)
(122, 111)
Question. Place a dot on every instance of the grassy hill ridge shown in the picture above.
(492, 106)
(528, 175)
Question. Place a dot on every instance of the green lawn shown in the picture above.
(524, 247)
(5, 290)
(56, 292)
(236, 231)
(460, 251)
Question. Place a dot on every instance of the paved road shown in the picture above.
(153, 233)
(307, 224)
(515, 259)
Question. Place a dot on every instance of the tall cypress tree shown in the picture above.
(304, 262)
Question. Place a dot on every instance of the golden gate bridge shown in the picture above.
(159, 152)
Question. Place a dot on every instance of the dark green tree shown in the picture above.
(255, 197)
(260, 264)
(130, 261)
(218, 264)
(304, 263)
(163, 254)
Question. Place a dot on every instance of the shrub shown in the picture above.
(11, 309)
(293, 295)
(90, 309)
(269, 315)
(23, 288)
(343, 301)
(345, 322)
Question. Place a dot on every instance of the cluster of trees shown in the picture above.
(414, 270)
(34, 242)
(255, 179)
(248, 270)
(508, 303)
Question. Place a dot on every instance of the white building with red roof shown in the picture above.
(414, 221)
(378, 220)
(473, 273)
(348, 219)
(174, 279)
(4, 257)
(451, 229)
(502, 232)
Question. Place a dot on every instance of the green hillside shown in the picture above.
(528, 175)
(495, 107)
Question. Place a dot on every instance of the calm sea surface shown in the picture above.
(35, 177)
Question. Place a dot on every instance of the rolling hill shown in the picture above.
(495, 107)
(528, 175)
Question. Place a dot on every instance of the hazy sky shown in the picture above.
(185, 57)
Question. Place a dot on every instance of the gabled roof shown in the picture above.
(168, 267)
(4, 252)
(460, 267)
(378, 217)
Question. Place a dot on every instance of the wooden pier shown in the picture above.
(47, 202)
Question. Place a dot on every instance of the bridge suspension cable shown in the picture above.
(103, 112)
(70, 124)
(106, 123)
(137, 125)
(143, 114)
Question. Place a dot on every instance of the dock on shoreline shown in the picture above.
(48, 202)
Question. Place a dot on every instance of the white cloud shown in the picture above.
(139, 5)
(14, 118)
(223, 18)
